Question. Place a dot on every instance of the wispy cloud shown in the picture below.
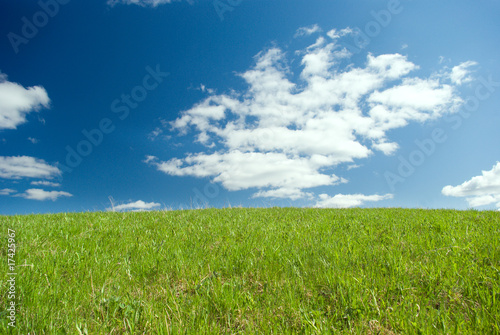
(348, 200)
(134, 206)
(45, 183)
(480, 190)
(16, 102)
(7, 191)
(353, 166)
(18, 167)
(284, 137)
(41, 195)
(334, 33)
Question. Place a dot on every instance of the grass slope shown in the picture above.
(256, 271)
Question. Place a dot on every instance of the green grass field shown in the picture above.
(255, 271)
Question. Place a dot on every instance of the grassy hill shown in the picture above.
(255, 271)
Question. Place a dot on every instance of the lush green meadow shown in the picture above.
(255, 271)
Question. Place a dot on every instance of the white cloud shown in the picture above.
(7, 191)
(18, 167)
(150, 159)
(484, 200)
(144, 3)
(386, 148)
(238, 170)
(334, 33)
(414, 100)
(41, 195)
(460, 73)
(353, 166)
(284, 137)
(348, 200)
(33, 140)
(45, 183)
(134, 206)
(16, 102)
(480, 190)
(306, 31)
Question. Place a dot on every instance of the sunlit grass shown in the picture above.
(256, 271)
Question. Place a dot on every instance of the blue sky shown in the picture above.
(137, 105)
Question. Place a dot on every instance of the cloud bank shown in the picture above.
(287, 132)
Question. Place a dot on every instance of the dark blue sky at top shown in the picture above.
(90, 53)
